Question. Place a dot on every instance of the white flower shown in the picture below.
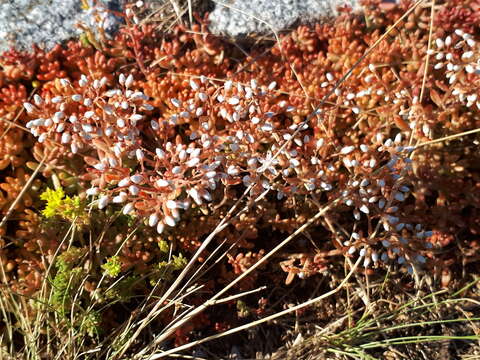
(66, 137)
(170, 221)
(37, 99)
(103, 201)
(202, 96)
(92, 191)
(364, 209)
(29, 107)
(193, 162)
(100, 166)
(267, 127)
(133, 190)
(267, 164)
(234, 100)
(160, 153)
(139, 154)
(120, 198)
(177, 103)
(153, 220)
(162, 183)
(347, 150)
(160, 227)
(194, 85)
(129, 81)
(232, 170)
(137, 178)
(195, 196)
(128, 209)
(171, 204)
(399, 196)
(136, 117)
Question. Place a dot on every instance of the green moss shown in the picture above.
(90, 324)
(167, 268)
(67, 280)
(123, 289)
(64, 285)
(164, 247)
(242, 309)
(112, 267)
(179, 262)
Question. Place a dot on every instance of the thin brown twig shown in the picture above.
(211, 301)
(427, 58)
(261, 321)
(23, 191)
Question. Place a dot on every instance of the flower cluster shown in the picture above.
(233, 134)
(458, 56)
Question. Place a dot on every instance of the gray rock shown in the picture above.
(242, 17)
(49, 22)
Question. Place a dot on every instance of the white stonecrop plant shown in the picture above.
(234, 134)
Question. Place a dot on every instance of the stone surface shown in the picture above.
(241, 17)
(48, 22)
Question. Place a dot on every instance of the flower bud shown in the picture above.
(103, 202)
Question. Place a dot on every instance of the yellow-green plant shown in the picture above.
(167, 268)
(59, 204)
(91, 324)
(67, 279)
(113, 266)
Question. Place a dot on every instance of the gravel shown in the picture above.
(49, 22)
(242, 17)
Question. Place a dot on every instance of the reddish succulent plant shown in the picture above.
(150, 130)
